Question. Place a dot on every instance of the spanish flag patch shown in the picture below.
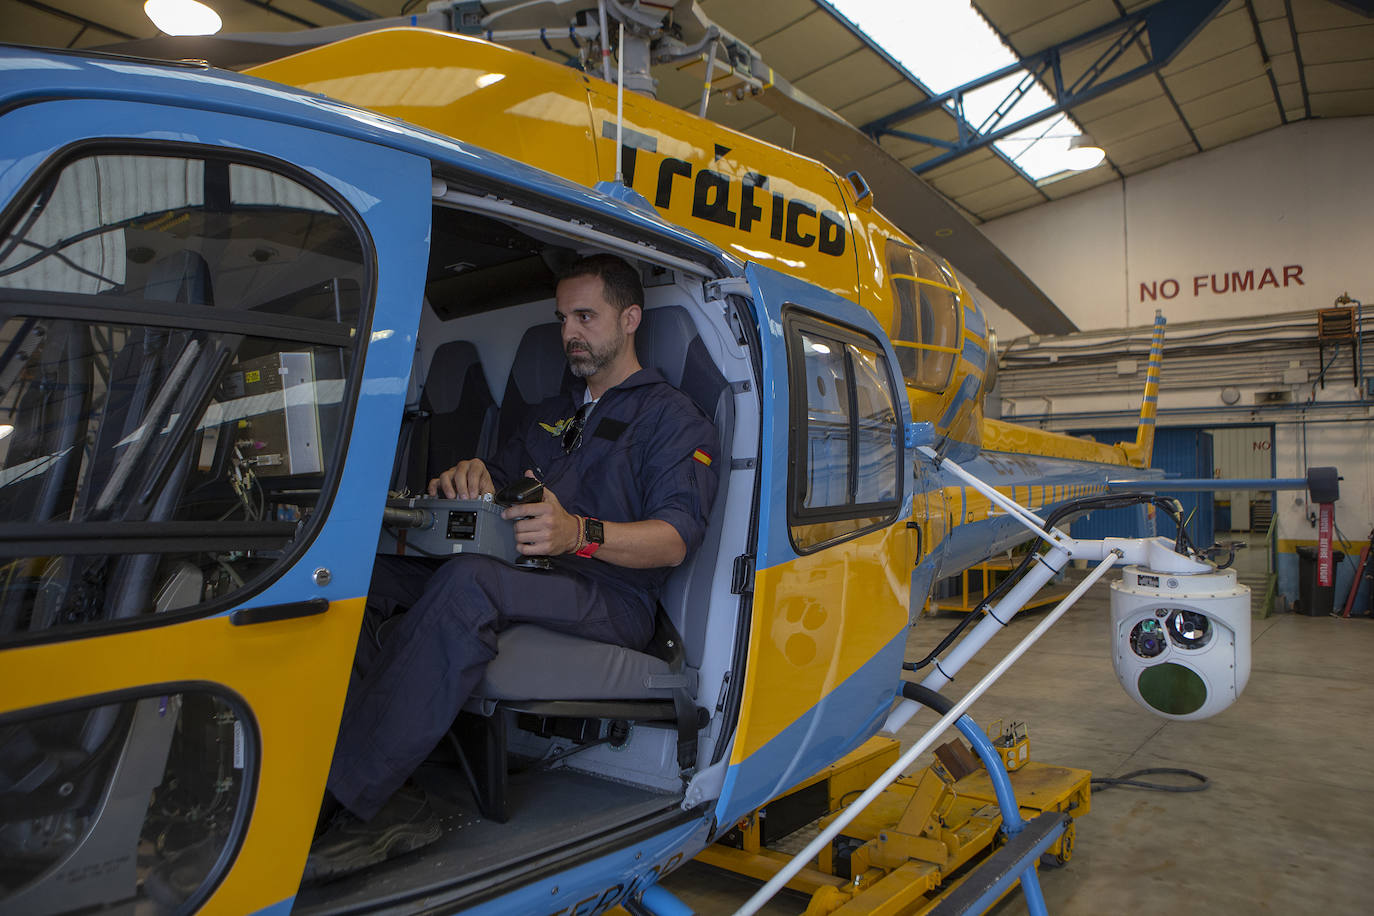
(701, 456)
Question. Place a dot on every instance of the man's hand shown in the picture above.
(465, 480)
(545, 528)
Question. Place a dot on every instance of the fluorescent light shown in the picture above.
(1083, 154)
(5, 430)
(183, 17)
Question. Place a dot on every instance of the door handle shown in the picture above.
(274, 612)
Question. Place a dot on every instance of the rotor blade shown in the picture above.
(917, 208)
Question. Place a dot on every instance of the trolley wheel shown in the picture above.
(1065, 849)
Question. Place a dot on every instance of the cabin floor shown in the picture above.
(1284, 826)
(549, 810)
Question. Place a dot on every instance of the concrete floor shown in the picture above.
(1287, 825)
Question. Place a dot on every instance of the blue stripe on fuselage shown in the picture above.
(966, 391)
(799, 752)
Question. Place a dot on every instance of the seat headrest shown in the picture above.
(667, 340)
(182, 276)
(448, 369)
(539, 370)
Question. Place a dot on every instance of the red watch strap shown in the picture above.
(590, 547)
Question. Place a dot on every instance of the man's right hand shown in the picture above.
(465, 480)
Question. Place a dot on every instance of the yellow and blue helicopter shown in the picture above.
(227, 297)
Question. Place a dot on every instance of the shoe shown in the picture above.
(405, 823)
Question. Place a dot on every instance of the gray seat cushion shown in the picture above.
(537, 664)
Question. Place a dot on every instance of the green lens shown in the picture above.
(1172, 689)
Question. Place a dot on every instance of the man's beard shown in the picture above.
(588, 360)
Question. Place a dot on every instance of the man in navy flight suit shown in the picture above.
(627, 466)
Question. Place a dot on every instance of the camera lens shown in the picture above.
(1189, 629)
(1147, 639)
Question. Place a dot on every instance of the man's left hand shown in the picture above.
(545, 528)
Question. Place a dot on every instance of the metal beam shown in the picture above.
(1265, 61)
(1168, 25)
(285, 14)
(1363, 7)
(1297, 56)
(73, 18)
(911, 78)
(347, 10)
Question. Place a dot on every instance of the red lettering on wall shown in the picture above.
(1223, 282)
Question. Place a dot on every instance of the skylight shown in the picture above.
(946, 43)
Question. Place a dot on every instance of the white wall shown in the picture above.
(1244, 452)
(1300, 195)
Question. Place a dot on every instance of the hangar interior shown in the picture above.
(1234, 199)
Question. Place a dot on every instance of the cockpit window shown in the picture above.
(845, 449)
(925, 316)
(175, 338)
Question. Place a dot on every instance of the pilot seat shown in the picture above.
(538, 672)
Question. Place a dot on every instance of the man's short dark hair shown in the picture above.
(619, 281)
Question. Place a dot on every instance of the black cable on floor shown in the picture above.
(1129, 780)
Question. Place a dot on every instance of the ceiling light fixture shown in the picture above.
(183, 17)
(1083, 154)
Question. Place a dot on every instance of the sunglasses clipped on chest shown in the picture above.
(572, 435)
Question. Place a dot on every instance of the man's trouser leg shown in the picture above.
(436, 654)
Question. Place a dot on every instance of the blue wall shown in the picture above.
(1183, 452)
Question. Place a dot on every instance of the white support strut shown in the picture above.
(788, 871)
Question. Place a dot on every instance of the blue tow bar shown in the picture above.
(1027, 841)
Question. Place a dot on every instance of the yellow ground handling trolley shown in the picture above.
(935, 842)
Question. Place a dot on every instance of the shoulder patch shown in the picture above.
(701, 456)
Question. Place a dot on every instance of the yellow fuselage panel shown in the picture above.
(267, 664)
(751, 198)
(802, 646)
(476, 92)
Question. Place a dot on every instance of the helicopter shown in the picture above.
(228, 297)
